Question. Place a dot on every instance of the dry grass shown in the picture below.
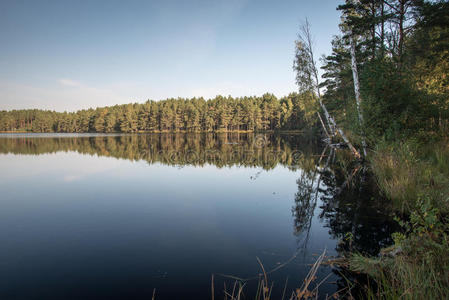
(308, 289)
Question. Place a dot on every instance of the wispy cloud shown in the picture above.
(69, 82)
(71, 178)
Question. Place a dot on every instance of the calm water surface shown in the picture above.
(116, 216)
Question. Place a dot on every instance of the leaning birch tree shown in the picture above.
(307, 79)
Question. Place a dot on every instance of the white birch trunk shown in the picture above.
(355, 76)
(307, 40)
(342, 134)
(324, 126)
(326, 114)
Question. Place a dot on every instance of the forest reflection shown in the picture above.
(221, 150)
(348, 202)
(340, 195)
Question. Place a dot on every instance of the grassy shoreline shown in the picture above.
(414, 176)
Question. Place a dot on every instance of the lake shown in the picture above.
(87, 216)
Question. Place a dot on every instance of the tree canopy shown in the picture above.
(402, 49)
(172, 115)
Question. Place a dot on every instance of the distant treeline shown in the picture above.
(171, 115)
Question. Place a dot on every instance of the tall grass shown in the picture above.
(416, 179)
(403, 277)
(406, 170)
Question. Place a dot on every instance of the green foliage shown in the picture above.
(402, 50)
(417, 266)
(402, 54)
(303, 65)
(392, 106)
(174, 115)
(415, 177)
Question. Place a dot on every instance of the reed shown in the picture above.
(308, 290)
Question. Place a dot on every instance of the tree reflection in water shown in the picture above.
(221, 150)
(347, 200)
(340, 194)
(349, 205)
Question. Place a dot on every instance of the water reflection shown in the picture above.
(330, 203)
(350, 208)
(221, 150)
(350, 205)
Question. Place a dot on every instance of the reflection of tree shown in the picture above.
(348, 204)
(307, 196)
(221, 150)
(350, 207)
(309, 191)
(357, 215)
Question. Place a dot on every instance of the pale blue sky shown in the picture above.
(67, 55)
